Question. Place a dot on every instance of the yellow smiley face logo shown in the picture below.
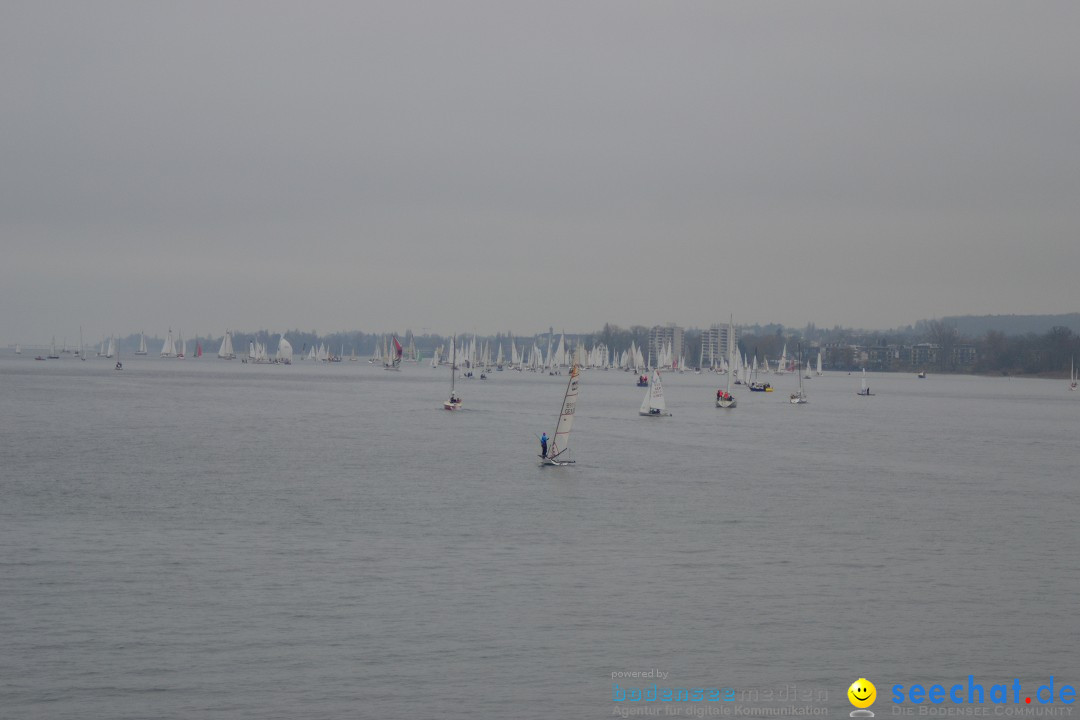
(862, 693)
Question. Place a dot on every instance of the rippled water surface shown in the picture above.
(210, 539)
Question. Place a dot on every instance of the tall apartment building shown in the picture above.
(661, 336)
(715, 340)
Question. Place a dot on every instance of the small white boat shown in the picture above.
(454, 401)
(168, 349)
(225, 352)
(799, 397)
(653, 405)
(393, 360)
(865, 389)
(724, 398)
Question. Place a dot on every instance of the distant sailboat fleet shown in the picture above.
(468, 357)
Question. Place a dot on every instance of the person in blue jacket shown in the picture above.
(543, 445)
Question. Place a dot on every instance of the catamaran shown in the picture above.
(865, 389)
(653, 405)
(560, 440)
(454, 401)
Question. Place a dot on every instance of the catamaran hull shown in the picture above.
(451, 406)
(726, 403)
(653, 415)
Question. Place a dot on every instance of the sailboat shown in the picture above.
(18, 349)
(52, 351)
(226, 350)
(119, 365)
(819, 373)
(142, 344)
(865, 389)
(724, 398)
(393, 361)
(168, 349)
(799, 397)
(454, 401)
(82, 347)
(752, 381)
(653, 405)
(560, 440)
(1072, 373)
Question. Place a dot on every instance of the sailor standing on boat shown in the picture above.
(543, 445)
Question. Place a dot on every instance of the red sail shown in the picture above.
(397, 347)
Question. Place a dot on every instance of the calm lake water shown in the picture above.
(207, 539)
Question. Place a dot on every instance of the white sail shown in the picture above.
(654, 404)
(731, 354)
(112, 347)
(284, 351)
(454, 401)
(560, 441)
(18, 349)
(168, 348)
(226, 350)
(819, 364)
(142, 344)
(799, 398)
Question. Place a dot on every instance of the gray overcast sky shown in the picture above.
(513, 165)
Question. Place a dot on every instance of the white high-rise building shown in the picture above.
(663, 336)
(715, 340)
